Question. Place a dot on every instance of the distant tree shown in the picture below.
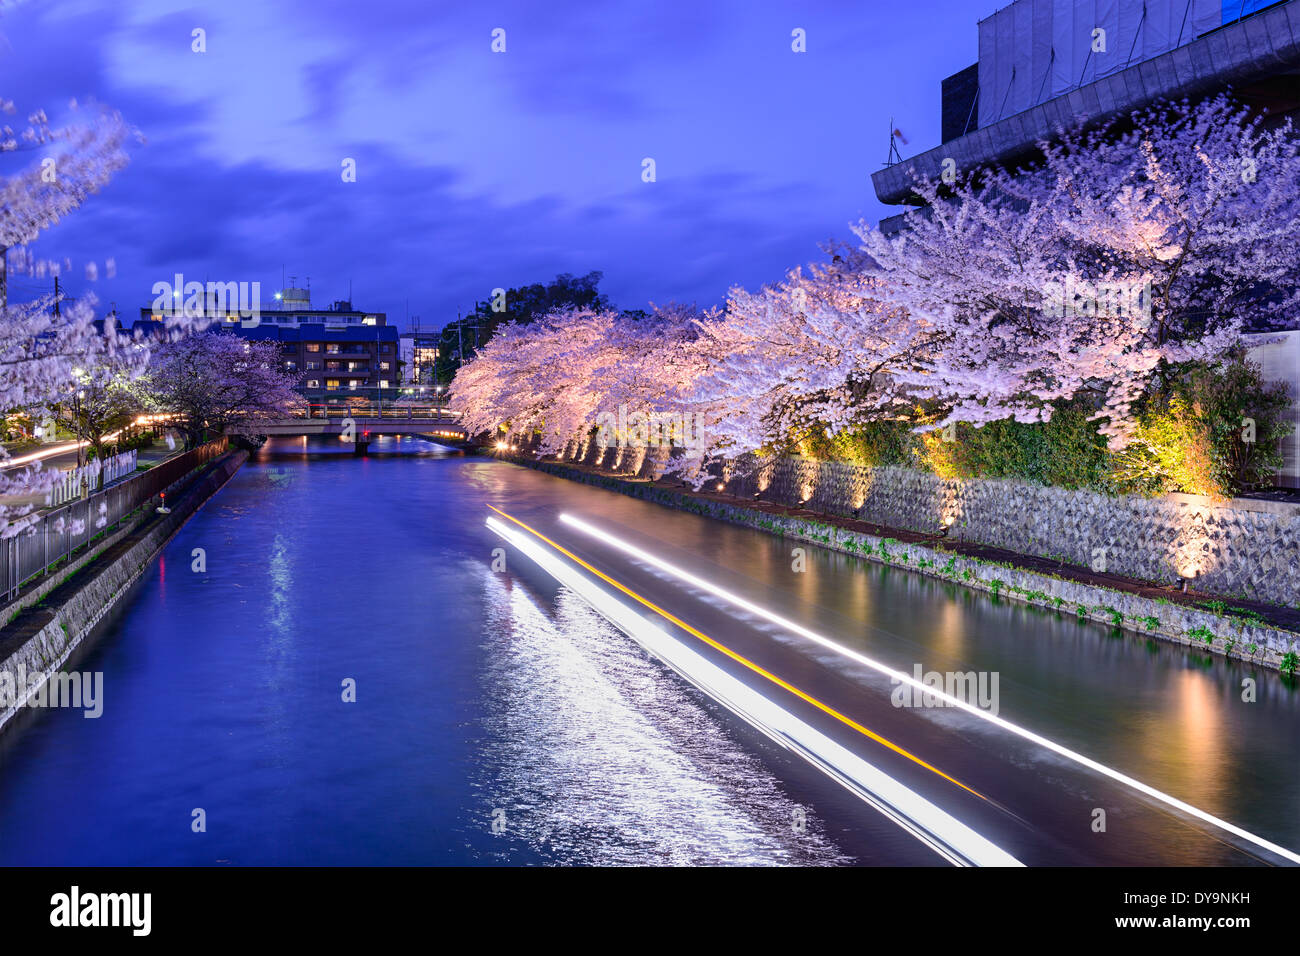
(101, 402)
(217, 382)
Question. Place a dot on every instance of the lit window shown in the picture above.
(383, 383)
(313, 347)
(331, 383)
(313, 383)
(383, 366)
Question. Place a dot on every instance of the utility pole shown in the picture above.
(4, 277)
(56, 295)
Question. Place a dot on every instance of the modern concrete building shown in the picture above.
(1048, 64)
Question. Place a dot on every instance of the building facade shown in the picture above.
(289, 308)
(1045, 65)
(419, 355)
(334, 364)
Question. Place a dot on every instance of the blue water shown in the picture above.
(489, 698)
(477, 699)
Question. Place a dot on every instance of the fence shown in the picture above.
(31, 552)
(90, 477)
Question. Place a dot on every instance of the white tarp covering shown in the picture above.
(1034, 50)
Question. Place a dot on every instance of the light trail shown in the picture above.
(945, 834)
(746, 662)
(43, 453)
(826, 642)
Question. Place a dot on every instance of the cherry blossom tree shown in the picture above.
(217, 382)
(43, 341)
(100, 400)
(559, 377)
(1134, 246)
(820, 350)
(537, 379)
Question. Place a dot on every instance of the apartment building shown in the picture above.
(334, 364)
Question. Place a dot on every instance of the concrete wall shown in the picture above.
(1278, 356)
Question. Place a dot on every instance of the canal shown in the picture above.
(498, 719)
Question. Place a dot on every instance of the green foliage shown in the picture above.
(1065, 451)
(1289, 663)
(1194, 432)
(1191, 434)
(1201, 633)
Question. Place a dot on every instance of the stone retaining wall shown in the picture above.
(1240, 547)
(1224, 634)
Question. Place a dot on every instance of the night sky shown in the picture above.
(477, 169)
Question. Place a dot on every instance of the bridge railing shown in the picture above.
(364, 409)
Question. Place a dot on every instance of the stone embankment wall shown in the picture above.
(1240, 547)
(58, 631)
(1225, 634)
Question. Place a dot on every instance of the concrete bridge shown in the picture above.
(438, 425)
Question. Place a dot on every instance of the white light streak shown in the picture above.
(942, 832)
(905, 678)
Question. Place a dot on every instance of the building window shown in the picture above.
(383, 366)
(313, 346)
(313, 383)
(332, 349)
(331, 383)
(385, 349)
(313, 365)
(353, 383)
(383, 383)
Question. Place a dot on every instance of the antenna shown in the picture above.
(894, 155)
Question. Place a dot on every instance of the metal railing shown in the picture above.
(365, 409)
(32, 552)
(90, 478)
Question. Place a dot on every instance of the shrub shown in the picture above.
(1191, 434)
